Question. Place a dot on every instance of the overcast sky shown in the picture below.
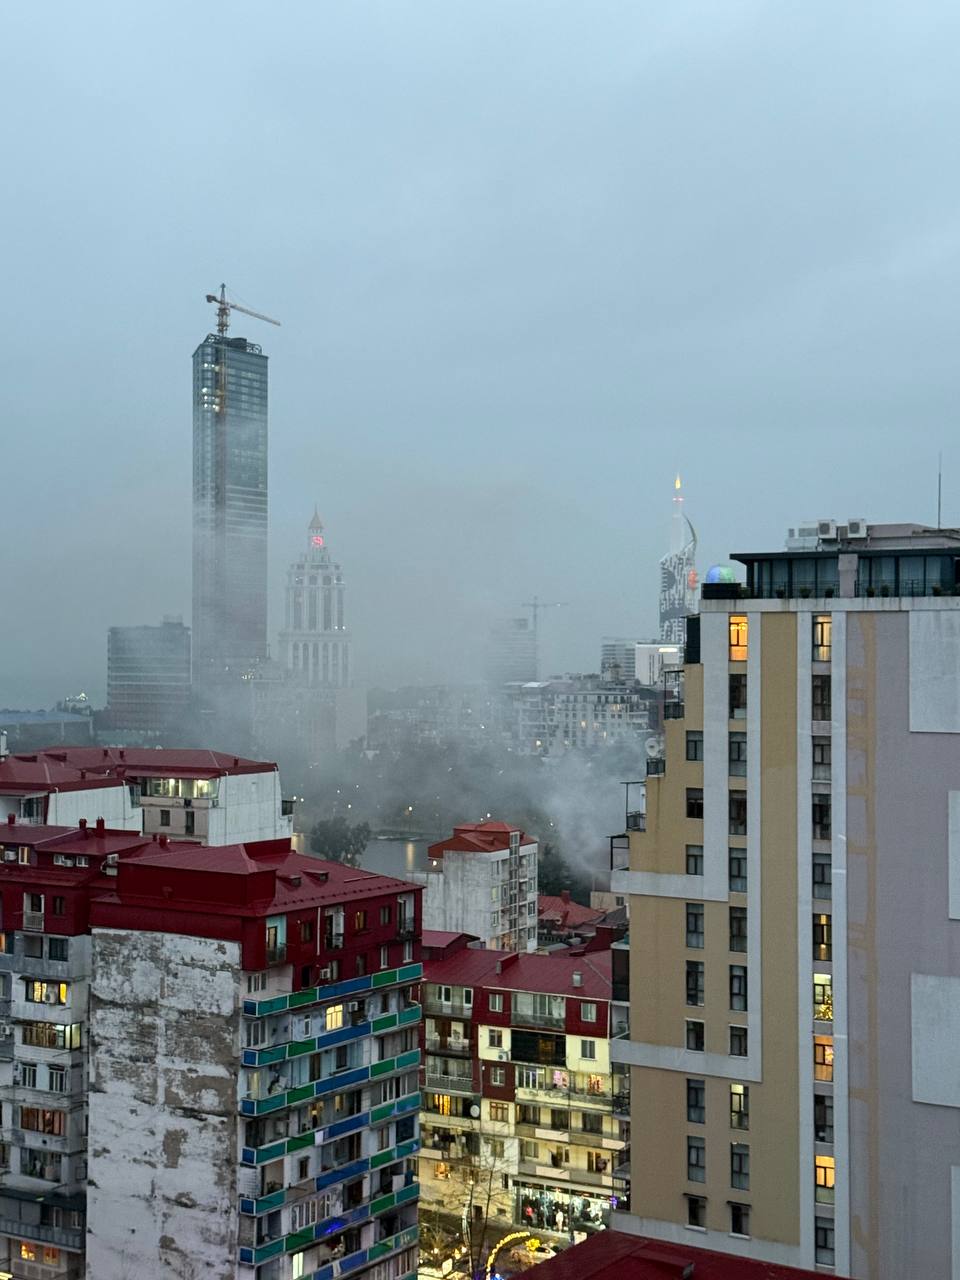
(530, 257)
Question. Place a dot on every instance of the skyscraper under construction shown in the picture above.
(229, 505)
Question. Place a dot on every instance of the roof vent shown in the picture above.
(163, 842)
(101, 825)
(83, 824)
(11, 819)
(577, 978)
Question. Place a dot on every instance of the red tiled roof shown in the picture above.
(550, 973)
(443, 937)
(614, 1255)
(567, 913)
(477, 837)
(162, 762)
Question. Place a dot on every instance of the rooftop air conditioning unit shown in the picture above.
(856, 528)
(827, 529)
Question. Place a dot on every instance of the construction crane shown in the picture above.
(224, 307)
(536, 604)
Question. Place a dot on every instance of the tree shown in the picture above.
(554, 875)
(335, 839)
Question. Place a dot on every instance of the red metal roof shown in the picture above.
(477, 837)
(121, 762)
(28, 774)
(565, 912)
(507, 971)
(614, 1255)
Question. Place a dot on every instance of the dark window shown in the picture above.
(57, 948)
(821, 759)
(696, 1160)
(306, 930)
(694, 744)
(189, 822)
(740, 1166)
(821, 816)
(824, 1240)
(164, 817)
(694, 802)
(738, 988)
(737, 755)
(738, 928)
(738, 871)
(696, 1211)
(739, 1219)
(696, 1101)
(695, 924)
(738, 1042)
(822, 706)
(535, 1046)
(695, 982)
(59, 906)
(694, 859)
(822, 1117)
(695, 1035)
(738, 813)
(591, 1122)
(738, 697)
(384, 915)
(822, 875)
(558, 1119)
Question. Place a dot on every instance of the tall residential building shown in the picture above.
(148, 680)
(549, 717)
(315, 643)
(794, 892)
(522, 1117)
(209, 1065)
(678, 574)
(229, 510)
(511, 653)
(482, 880)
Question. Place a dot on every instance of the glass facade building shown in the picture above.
(229, 508)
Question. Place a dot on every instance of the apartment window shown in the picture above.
(739, 1106)
(588, 1011)
(822, 875)
(28, 1075)
(334, 1017)
(738, 870)
(695, 924)
(306, 930)
(822, 636)
(384, 957)
(821, 816)
(823, 1235)
(256, 982)
(164, 817)
(45, 992)
(739, 1219)
(591, 1122)
(498, 1075)
(385, 915)
(495, 1038)
(695, 1035)
(737, 810)
(822, 758)
(738, 988)
(57, 948)
(825, 1174)
(823, 1117)
(360, 922)
(823, 1058)
(822, 937)
(696, 1160)
(500, 1112)
(738, 1042)
(559, 1119)
(740, 1166)
(822, 704)
(529, 1150)
(695, 982)
(696, 1101)
(737, 755)
(823, 997)
(496, 1001)
(59, 906)
(696, 1211)
(57, 1079)
(694, 802)
(738, 928)
(694, 744)
(694, 859)
(738, 697)
(738, 638)
(588, 1049)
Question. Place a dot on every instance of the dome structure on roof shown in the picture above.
(721, 573)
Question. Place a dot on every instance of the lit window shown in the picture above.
(825, 1176)
(822, 942)
(822, 636)
(739, 1106)
(822, 1058)
(334, 1017)
(823, 997)
(738, 638)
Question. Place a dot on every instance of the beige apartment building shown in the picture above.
(794, 898)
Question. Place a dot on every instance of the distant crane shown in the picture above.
(536, 604)
(224, 307)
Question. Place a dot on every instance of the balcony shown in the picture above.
(406, 930)
(451, 1048)
(277, 955)
(62, 1237)
(448, 1084)
(656, 767)
(447, 1008)
(637, 821)
(621, 1105)
(673, 710)
(548, 1021)
(33, 921)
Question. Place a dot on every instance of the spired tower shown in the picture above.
(315, 644)
(678, 575)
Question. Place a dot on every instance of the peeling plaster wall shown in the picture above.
(164, 1037)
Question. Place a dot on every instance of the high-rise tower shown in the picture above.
(678, 575)
(229, 508)
(314, 643)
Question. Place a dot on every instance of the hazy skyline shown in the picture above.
(530, 259)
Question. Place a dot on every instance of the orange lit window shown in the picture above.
(738, 638)
(825, 1175)
(822, 1058)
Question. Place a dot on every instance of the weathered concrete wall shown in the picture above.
(164, 1037)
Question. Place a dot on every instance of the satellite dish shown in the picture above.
(653, 747)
